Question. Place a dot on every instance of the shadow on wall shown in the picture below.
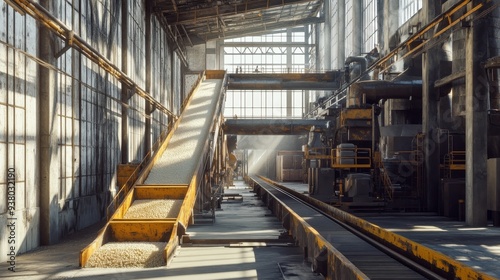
(91, 193)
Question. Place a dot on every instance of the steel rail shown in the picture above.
(388, 251)
(440, 263)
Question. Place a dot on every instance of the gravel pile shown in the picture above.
(128, 254)
(154, 209)
(178, 162)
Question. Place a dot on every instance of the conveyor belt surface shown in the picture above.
(178, 163)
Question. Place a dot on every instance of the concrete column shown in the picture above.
(341, 38)
(149, 66)
(306, 95)
(430, 98)
(476, 118)
(48, 130)
(125, 90)
(357, 19)
(171, 85)
(317, 31)
(327, 62)
(390, 20)
(289, 66)
(211, 55)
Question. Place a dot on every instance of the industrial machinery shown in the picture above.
(346, 164)
(341, 161)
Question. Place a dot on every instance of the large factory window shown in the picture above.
(349, 28)
(407, 8)
(282, 51)
(369, 24)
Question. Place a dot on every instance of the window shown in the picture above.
(408, 8)
(369, 25)
(282, 51)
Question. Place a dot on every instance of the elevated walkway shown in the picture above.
(285, 81)
(144, 229)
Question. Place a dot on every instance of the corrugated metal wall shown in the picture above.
(84, 113)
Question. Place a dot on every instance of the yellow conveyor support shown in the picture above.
(172, 174)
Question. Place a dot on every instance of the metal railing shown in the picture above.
(316, 153)
(457, 160)
(127, 186)
(454, 161)
(351, 158)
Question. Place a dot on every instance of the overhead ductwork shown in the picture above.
(371, 92)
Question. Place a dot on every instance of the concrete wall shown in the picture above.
(18, 128)
(161, 77)
(61, 120)
(194, 54)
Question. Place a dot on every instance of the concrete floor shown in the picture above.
(242, 243)
(475, 247)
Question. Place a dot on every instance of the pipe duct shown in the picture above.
(353, 72)
(370, 92)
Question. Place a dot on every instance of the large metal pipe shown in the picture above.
(271, 127)
(370, 92)
(361, 60)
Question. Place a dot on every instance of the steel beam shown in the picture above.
(270, 126)
(292, 81)
(192, 16)
(255, 30)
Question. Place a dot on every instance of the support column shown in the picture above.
(289, 66)
(389, 24)
(149, 66)
(341, 40)
(307, 59)
(219, 54)
(125, 90)
(476, 119)
(430, 98)
(327, 62)
(357, 20)
(48, 131)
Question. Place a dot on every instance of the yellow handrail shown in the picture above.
(316, 153)
(351, 158)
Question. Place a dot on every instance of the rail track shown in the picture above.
(339, 248)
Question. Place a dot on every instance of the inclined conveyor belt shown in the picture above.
(144, 229)
(178, 163)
